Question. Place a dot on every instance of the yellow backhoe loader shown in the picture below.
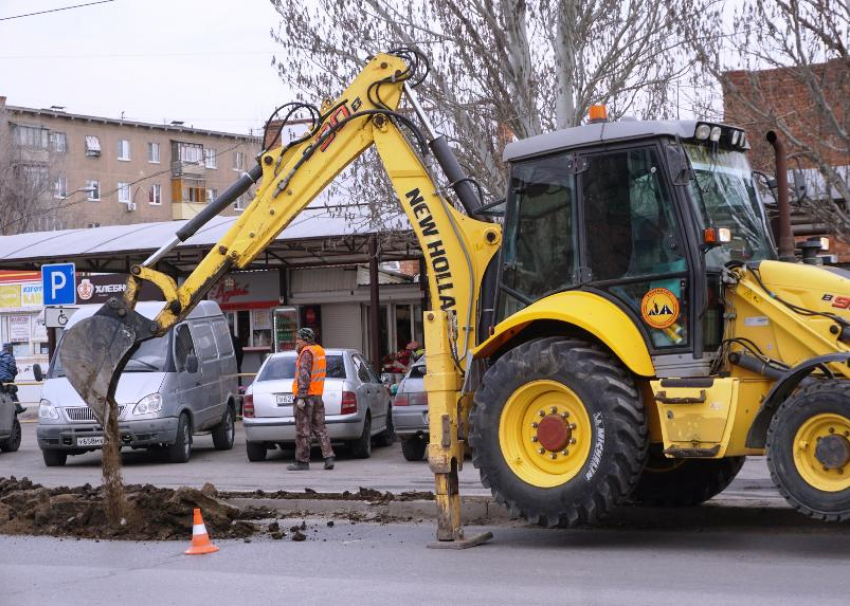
(626, 332)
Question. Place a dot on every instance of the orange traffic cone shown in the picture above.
(200, 539)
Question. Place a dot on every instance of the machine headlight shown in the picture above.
(46, 410)
(150, 404)
(702, 132)
(735, 135)
(714, 137)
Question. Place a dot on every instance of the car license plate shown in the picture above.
(96, 441)
(284, 399)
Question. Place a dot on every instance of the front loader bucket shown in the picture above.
(95, 350)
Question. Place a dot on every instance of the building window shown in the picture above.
(59, 142)
(210, 158)
(153, 153)
(92, 146)
(238, 160)
(155, 194)
(191, 153)
(31, 136)
(92, 225)
(60, 187)
(123, 192)
(239, 205)
(212, 194)
(124, 150)
(94, 190)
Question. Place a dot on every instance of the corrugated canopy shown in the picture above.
(318, 236)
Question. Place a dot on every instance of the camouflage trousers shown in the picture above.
(310, 422)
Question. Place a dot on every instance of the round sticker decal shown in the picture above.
(659, 308)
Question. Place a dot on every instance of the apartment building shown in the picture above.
(103, 171)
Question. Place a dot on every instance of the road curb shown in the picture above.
(735, 513)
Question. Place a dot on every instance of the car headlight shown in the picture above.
(46, 410)
(150, 404)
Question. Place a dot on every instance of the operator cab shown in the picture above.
(643, 213)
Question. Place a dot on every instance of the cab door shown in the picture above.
(632, 250)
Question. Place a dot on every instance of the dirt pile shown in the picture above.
(150, 513)
(363, 494)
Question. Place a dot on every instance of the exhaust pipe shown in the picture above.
(786, 235)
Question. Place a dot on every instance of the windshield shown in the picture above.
(725, 195)
(283, 367)
(151, 356)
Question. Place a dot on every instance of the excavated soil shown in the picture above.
(150, 513)
(363, 494)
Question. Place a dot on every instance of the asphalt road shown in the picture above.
(231, 470)
(372, 564)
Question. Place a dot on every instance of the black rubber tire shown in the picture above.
(387, 437)
(54, 458)
(13, 442)
(618, 445)
(181, 450)
(414, 448)
(224, 434)
(361, 448)
(828, 396)
(683, 482)
(256, 451)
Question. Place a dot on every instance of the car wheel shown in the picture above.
(12, 443)
(224, 434)
(256, 451)
(387, 437)
(414, 448)
(54, 458)
(181, 450)
(361, 448)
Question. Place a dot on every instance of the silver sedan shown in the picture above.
(357, 405)
(410, 412)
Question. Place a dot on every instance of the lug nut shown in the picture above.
(554, 410)
(840, 471)
(832, 430)
(534, 425)
(533, 438)
(565, 452)
(542, 413)
(553, 456)
(566, 415)
(572, 426)
(541, 450)
(572, 440)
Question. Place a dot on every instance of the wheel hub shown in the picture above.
(553, 432)
(833, 451)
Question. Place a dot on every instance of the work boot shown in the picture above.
(19, 409)
(299, 466)
(329, 463)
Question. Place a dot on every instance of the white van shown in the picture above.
(173, 387)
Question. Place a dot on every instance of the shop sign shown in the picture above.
(31, 295)
(254, 287)
(10, 296)
(99, 288)
(19, 328)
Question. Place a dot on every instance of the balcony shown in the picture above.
(186, 210)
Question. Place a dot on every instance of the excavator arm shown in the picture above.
(457, 249)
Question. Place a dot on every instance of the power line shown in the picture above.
(55, 10)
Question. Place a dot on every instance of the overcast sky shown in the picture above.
(206, 62)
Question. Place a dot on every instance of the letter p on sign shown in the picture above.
(58, 284)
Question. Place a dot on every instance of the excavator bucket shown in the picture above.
(95, 350)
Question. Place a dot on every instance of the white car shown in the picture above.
(357, 405)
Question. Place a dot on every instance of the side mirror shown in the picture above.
(37, 372)
(192, 363)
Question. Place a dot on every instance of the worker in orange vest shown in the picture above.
(308, 387)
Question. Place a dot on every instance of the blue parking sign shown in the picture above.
(58, 284)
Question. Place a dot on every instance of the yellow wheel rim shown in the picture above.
(532, 440)
(828, 478)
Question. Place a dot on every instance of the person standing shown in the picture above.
(8, 372)
(307, 389)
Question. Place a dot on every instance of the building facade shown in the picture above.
(103, 171)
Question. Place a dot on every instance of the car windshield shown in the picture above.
(726, 197)
(151, 356)
(283, 367)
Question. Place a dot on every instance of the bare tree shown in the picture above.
(27, 179)
(500, 68)
(783, 65)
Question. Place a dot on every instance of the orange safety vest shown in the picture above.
(317, 376)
